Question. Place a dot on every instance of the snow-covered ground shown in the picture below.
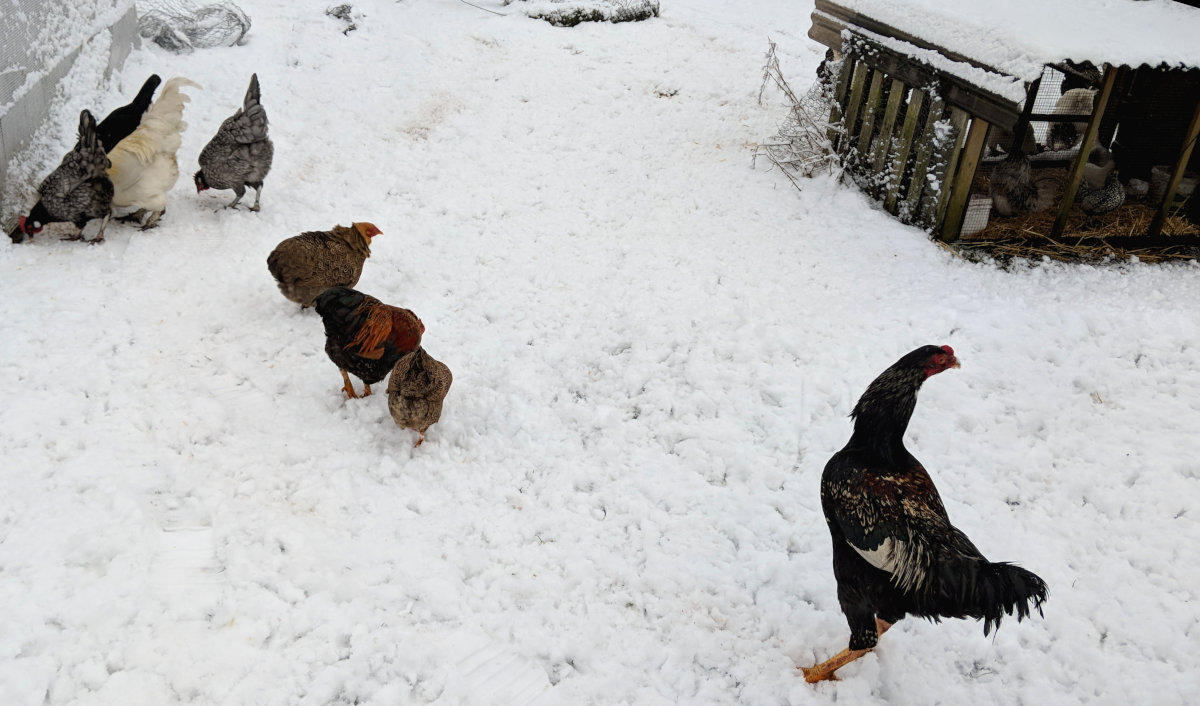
(655, 348)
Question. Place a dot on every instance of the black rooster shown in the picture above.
(365, 336)
(894, 549)
(77, 191)
(121, 123)
(240, 154)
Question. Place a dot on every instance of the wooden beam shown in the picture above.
(828, 22)
(871, 108)
(1185, 154)
(847, 17)
(883, 144)
(924, 151)
(839, 100)
(946, 160)
(960, 190)
(854, 102)
(907, 134)
(1085, 148)
(1021, 129)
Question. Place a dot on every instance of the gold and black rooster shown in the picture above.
(364, 336)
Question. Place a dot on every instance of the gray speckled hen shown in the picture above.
(77, 191)
(240, 154)
(307, 264)
(418, 386)
(1100, 190)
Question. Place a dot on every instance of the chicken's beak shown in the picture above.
(955, 364)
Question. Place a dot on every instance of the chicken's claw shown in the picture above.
(825, 670)
(348, 387)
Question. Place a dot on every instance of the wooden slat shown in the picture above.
(946, 162)
(907, 134)
(871, 112)
(883, 143)
(839, 99)
(854, 102)
(1185, 154)
(925, 145)
(1085, 148)
(960, 189)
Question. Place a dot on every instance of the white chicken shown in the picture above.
(143, 165)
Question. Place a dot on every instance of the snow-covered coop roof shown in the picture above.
(1019, 37)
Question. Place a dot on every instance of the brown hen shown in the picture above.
(416, 389)
(307, 264)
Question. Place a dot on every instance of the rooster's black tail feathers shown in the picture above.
(980, 589)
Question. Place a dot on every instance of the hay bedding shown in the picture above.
(1025, 235)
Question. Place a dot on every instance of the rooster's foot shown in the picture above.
(825, 670)
(348, 387)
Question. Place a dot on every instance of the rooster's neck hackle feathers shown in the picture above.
(882, 414)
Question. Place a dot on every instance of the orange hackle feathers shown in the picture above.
(383, 323)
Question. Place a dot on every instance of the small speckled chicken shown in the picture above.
(364, 336)
(418, 386)
(1100, 190)
(77, 191)
(240, 154)
(307, 264)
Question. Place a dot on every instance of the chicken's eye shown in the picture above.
(939, 360)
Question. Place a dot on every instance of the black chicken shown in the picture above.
(240, 154)
(894, 549)
(121, 123)
(365, 336)
(77, 191)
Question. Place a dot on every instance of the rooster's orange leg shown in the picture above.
(366, 390)
(420, 439)
(348, 388)
(826, 669)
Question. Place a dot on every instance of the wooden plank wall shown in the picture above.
(898, 140)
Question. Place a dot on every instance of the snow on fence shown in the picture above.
(932, 135)
(39, 42)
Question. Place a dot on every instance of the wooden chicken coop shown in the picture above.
(1085, 155)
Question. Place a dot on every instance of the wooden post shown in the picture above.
(907, 134)
(1185, 154)
(1022, 127)
(921, 166)
(883, 144)
(1085, 148)
(854, 102)
(874, 97)
(839, 99)
(948, 161)
(960, 190)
